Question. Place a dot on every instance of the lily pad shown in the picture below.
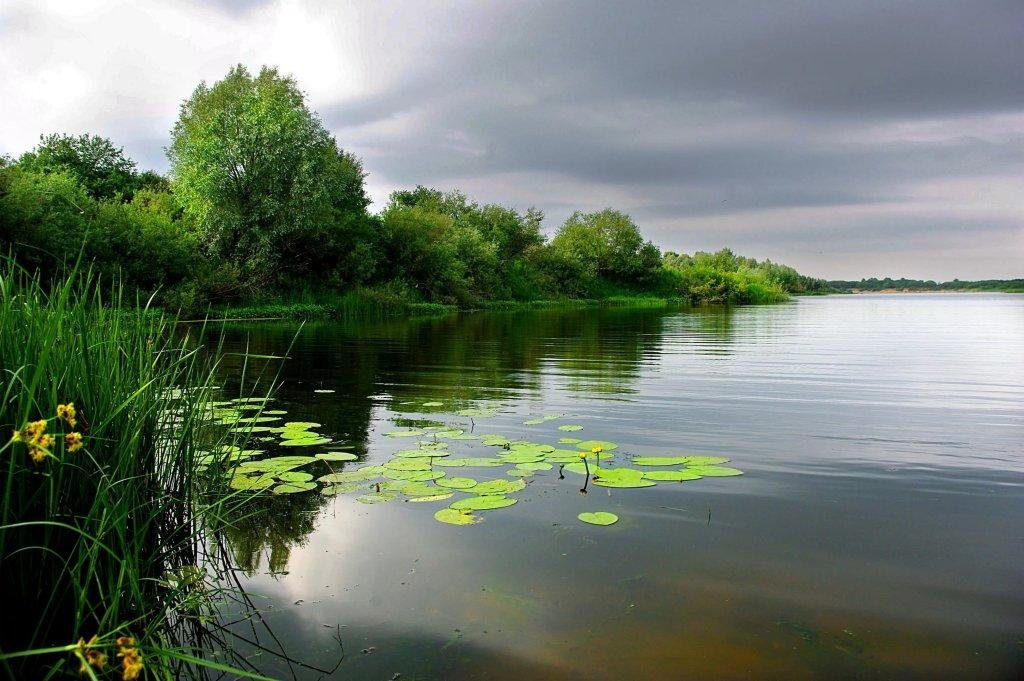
(408, 465)
(405, 433)
(359, 475)
(495, 440)
(247, 482)
(452, 516)
(306, 442)
(498, 487)
(457, 483)
(480, 412)
(337, 456)
(294, 476)
(521, 457)
(420, 453)
(472, 461)
(432, 497)
(535, 466)
(301, 425)
(571, 428)
(376, 497)
(569, 440)
(672, 476)
(419, 476)
(485, 503)
(293, 487)
(599, 518)
(715, 471)
(705, 460)
(340, 488)
(620, 477)
(660, 460)
(517, 472)
(433, 404)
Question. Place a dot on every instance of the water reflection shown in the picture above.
(874, 534)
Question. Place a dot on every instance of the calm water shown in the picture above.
(878, 531)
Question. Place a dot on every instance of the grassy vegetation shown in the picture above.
(104, 552)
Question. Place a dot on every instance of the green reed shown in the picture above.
(105, 533)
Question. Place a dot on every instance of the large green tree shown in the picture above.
(267, 183)
(606, 245)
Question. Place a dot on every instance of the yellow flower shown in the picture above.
(16, 436)
(597, 450)
(38, 455)
(131, 658)
(73, 441)
(34, 430)
(44, 442)
(89, 656)
(68, 413)
(583, 455)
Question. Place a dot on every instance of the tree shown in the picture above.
(101, 167)
(257, 170)
(605, 244)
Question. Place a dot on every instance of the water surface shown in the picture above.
(876, 533)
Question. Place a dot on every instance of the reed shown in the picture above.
(106, 560)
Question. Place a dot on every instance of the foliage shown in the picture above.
(890, 284)
(102, 514)
(94, 161)
(267, 184)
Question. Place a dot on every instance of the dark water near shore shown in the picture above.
(878, 530)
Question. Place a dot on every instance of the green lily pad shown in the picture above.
(495, 440)
(250, 483)
(306, 442)
(457, 483)
(340, 488)
(419, 476)
(405, 433)
(337, 456)
(577, 467)
(432, 497)
(376, 498)
(672, 476)
(472, 461)
(590, 444)
(705, 460)
(660, 460)
(301, 425)
(620, 477)
(569, 440)
(294, 476)
(420, 453)
(571, 428)
(715, 471)
(359, 475)
(464, 436)
(451, 432)
(485, 503)
(517, 472)
(521, 457)
(452, 516)
(599, 518)
(293, 487)
(535, 466)
(498, 487)
(252, 429)
(408, 465)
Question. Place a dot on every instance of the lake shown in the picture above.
(877, 530)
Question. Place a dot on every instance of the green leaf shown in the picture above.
(570, 428)
(452, 516)
(672, 476)
(457, 483)
(715, 471)
(590, 444)
(599, 518)
(485, 503)
(376, 498)
(337, 456)
(293, 487)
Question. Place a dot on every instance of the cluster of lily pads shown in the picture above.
(426, 470)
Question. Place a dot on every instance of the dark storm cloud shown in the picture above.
(825, 128)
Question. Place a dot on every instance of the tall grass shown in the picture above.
(108, 540)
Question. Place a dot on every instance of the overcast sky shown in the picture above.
(845, 137)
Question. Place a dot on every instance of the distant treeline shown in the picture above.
(889, 284)
(261, 204)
